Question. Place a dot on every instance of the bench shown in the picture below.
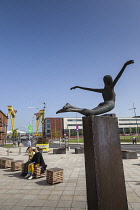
(129, 154)
(79, 150)
(16, 165)
(60, 150)
(54, 175)
(5, 162)
(37, 172)
(1, 158)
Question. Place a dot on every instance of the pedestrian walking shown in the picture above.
(134, 139)
(28, 144)
(18, 143)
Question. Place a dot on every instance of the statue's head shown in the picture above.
(107, 80)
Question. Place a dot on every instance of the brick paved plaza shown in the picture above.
(17, 193)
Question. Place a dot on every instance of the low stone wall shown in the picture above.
(60, 150)
(129, 154)
(79, 150)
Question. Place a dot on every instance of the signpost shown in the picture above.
(77, 131)
(30, 129)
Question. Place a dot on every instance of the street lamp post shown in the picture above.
(43, 122)
(135, 118)
(31, 107)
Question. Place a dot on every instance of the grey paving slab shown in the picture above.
(37, 202)
(79, 204)
(66, 197)
(24, 202)
(48, 208)
(64, 204)
(68, 192)
(50, 203)
(5, 207)
(33, 208)
(54, 197)
(18, 208)
(65, 208)
(135, 206)
(10, 202)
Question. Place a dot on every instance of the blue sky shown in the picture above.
(48, 46)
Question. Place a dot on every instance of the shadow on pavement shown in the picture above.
(13, 174)
(42, 182)
(136, 164)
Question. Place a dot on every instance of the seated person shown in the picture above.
(31, 153)
(37, 160)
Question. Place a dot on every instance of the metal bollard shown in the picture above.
(19, 151)
(7, 151)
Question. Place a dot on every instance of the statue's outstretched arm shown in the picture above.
(120, 73)
(90, 89)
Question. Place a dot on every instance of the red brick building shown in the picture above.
(3, 127)
(54, 127)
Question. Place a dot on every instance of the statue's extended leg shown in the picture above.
(100, 109)
(69, 108)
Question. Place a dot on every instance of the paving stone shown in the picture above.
(135, 206)
(29, 196)
(12, 191)
(69, 192)
(42, 197)
(50, 203)
(56, 192)
(66, 197)
(33, 208)
(45, 192)
(48, 208)
(79, 204)
(59, 188)
(77, 208)
(37, 202)
(80, 198)
(24, 202)
(67, 188)
(5, 207)
(18, 208)
(63, 208)
(10, 202)
(79, 192)
(6, 196)
(18, 196)
(64, 204)
(54, 197)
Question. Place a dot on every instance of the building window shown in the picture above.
(48, 131)
(74, 124)
(74, 120)
(48, 125)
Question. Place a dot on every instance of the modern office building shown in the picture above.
(62, 127)
(70, 127)
(73, 126)
(129, 125)
(3, 127)
(54, 127)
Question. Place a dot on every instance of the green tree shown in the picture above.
(15, 134)
(55, 133)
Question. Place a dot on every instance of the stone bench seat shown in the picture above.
(79, 150)
(60, 150)
(129, 154)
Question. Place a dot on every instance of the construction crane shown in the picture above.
(39, 118)
(12, 114)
